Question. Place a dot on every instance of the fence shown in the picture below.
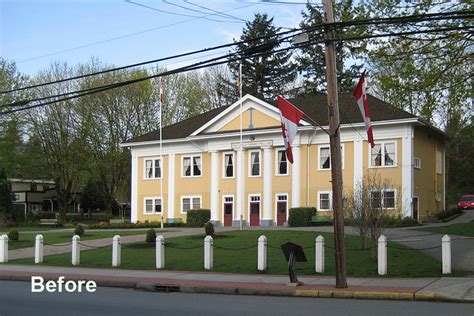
(208, 245)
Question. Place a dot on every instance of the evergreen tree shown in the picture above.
(6, 198)
(268, 74)
(311, 60)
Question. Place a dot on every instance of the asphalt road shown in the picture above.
(16, 299)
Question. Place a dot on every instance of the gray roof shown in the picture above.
(315, 106)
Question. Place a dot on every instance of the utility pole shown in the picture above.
(335, 142)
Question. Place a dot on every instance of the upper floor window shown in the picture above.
(325, 157)
(228, 165)
(254, 163)
(382, 199)
(152, 168)
(192, 166)
(282, 163)
(383, 154)
(439, 162)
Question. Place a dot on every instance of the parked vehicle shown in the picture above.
(466, 201)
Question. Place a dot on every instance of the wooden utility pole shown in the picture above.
(335, 142)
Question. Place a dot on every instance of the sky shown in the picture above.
(35, 33)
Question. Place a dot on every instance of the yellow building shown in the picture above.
(204, 164)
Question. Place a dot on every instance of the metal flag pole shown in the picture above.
(161, 151)
(241, 146)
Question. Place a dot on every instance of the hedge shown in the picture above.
(301, 216)
(152, 224)
(198, 217)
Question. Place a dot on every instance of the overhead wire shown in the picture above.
(426, 17)
(199, 65)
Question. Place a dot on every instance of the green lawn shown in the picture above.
(464, 229)
(359, 263)
(28, 240)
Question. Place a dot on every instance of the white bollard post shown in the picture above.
(76, 250)
(382, 255)
(208, 253)
(3, 248)
(241, 222)
(319, 254)
(160, 252)
(116, 251)
(39, 249)
(262, 253)
(446, 254)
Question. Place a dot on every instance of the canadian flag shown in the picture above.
(290, 118)
(361, 97)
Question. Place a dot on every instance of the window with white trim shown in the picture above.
(282, 203)
(325, 201)
(439, 162)
(228, 165)
(190, 203)
(152, 205)
(153, 168)
(192, 166)
(417, 163)
(383, 199)
(254, 163)
(325, 157)
(282, 163)
(383, 154)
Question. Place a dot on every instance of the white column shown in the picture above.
(134, 189)
(407, 172)
(296, 177)
(3, 248)
(382, 255)
(446, 254)
(267, 187)
(240, 189)
(319, 257)
(160, 252)
(116, 251)
(262, 253)
(215, 187)
(208, 253)
(76, 250)
(171, 176)
(358, 162)
(39, 249)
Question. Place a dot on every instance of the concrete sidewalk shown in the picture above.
(434, 289)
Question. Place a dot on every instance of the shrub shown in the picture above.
(447, 213)
(13, 235)
(399, 221)
(150, 236)
(152, 224)
(209, 229)
(46, 215)
(301, 216)
(79, 230)
(198, 217)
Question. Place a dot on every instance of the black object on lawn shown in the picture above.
(293, 253)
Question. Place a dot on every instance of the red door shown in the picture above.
(255, 213)
(281, 212)
(228, 206)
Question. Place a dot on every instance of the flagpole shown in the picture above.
(161, 151)
(241, 149)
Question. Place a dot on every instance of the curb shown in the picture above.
(235, 290)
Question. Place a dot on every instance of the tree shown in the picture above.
(368, 205)
(61, 134)
(266, 75)
(311, 60)
(6, 198)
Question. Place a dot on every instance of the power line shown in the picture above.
(176, 13)
(359, 22)
(199, 65)
(372, 21)
(124, 36)
(215, 11)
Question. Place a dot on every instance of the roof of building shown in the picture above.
(315, 106)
